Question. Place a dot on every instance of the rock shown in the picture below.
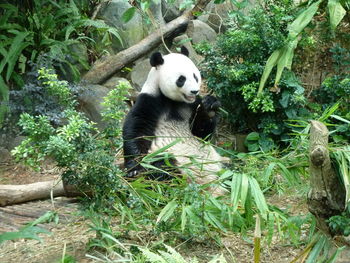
(171, 10)
(200, 31)
(131, 32)
(216, 15)
(79, 61)
(181, 41)
(139, 73)
(14, 142)
(90, 101)
(4, 155)
(113, 82)
(156, 10)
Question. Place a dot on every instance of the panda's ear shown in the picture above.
(156, 59)
(185, 51)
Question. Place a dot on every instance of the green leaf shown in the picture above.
(167, 211)
(29, 232)
(270, 64)
(213, 220)
(316, 251)
(4, 98)
(258, 197)
(286, 58)
(303, 20)
(244, 188)
(183, 218)
(236, 185)
(161, 150)
(128, 14)
(336, 13)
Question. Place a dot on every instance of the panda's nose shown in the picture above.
(195, 92)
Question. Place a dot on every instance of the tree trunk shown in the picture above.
(327, 195)
(13, 194)
(102, 70)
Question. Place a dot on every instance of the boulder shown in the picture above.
(113, 82)
(4, 155)
(171, 10)
(15, 141)
(139, 73)
(200, 31)
(90, 102)
(216, 15)
(131, 32)
(184, 40)
(78, 59)
(156, 10)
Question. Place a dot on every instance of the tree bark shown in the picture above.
(102, 70)
(327, 195)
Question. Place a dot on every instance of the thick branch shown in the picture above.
(13, 194)
(102, 70)
(327, 194)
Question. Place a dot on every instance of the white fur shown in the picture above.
(164, 77)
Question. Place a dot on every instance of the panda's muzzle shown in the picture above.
(190, 98)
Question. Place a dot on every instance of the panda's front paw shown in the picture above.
(211, 103)
(133, 169)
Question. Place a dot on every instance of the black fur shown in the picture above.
(156, 59)
(185, 51)
(141, 121)
(180, 82)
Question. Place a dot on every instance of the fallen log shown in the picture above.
(14, 194)
(327, 194)
(102, 70)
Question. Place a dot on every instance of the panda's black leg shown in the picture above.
(204, 118)
(167, 170)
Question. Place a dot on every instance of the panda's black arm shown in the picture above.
(138, 130)
(204, 118)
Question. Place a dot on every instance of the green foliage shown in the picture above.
(30, 230)
(43, 26)
(283, 57)
(86, 155)
(235, 64)
(336, 89)
(340, 224)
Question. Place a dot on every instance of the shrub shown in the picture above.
(233, 68)
(336, 89)
(86, 155)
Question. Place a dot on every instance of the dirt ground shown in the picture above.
(72, 234)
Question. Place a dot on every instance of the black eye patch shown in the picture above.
(195, 77)
(181, 81)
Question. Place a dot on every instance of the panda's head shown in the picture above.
(177, 76)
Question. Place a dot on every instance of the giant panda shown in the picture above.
(169, 108)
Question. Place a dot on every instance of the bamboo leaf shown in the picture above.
(268, 172)
(270, 64)
(4, 98)
(336, 13)
(236, 185)
(152, 257)
(167, 211)
(286, 59)
(163, 149)
(183, 218)
(244, 188)
(303, 20)
(316, 250)
(258, 197)
(128, 14)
